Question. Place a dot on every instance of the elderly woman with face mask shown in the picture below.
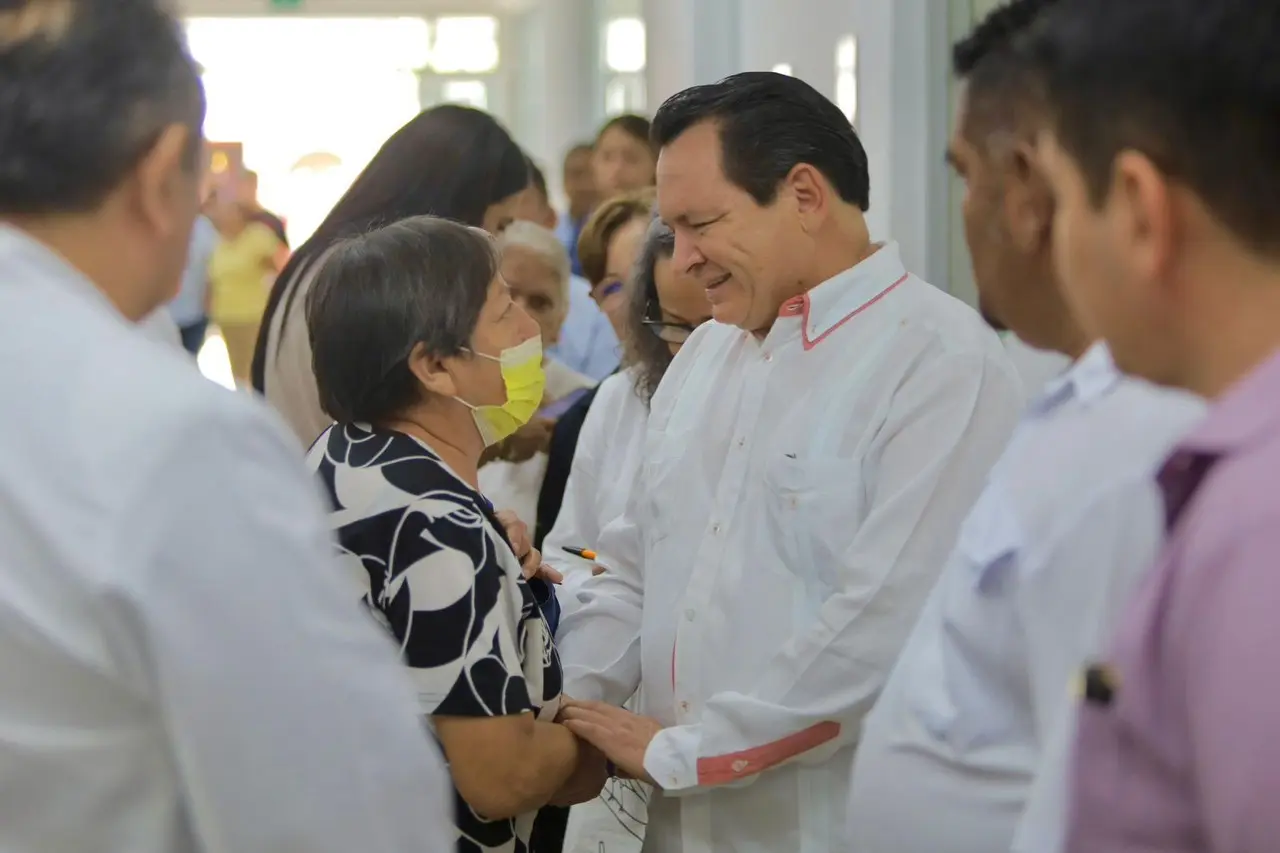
(535, 267)
(423, 359)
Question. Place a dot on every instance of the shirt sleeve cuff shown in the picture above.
(672, 759)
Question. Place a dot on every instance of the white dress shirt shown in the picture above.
(605, 465)
(797, 497)
(159, 327)
(1068, 519)
(183, 667)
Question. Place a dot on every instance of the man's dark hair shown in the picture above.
(423, 280)
(770, 123)
(1001, 83)
(86, 88)
(1193, 85)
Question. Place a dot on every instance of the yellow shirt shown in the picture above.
(240, 275)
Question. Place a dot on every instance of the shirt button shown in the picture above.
(739, 766)
(684, 706)
(715, 528)
(742, 441)
(690, 614)
(768, 357)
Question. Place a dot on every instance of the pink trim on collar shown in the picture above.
(799, 306)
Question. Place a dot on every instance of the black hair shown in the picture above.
(450, 161)
(1193, 85)
(635, 126)
(646, 354)
(86, 88)
(423, 280)
(770, 123)
(1002, 84)
(538, 179)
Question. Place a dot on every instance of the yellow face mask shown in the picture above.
(525, 381)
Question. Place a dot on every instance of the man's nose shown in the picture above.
(686, 255)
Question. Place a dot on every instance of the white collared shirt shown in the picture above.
(1068, 519)
(797, 497)
(182, 665)
(605, 465)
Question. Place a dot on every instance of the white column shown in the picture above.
(903, 121)
(555, 47)
(689, 42)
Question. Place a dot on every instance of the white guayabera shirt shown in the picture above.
(796, 499)
(183, 667)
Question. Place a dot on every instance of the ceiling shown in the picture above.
(351, 8)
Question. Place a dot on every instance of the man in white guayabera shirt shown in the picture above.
(964, 752)
(808, 461)
(183, 667)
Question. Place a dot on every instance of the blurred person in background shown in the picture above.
(623, 159)
(247, 192)
(425, 358)
(242, 269)
(175, 630)
(190, 309)
(536, 269)
(450, 161)
(610, 244)
(586, 342)
(665, 306)
(579, 182)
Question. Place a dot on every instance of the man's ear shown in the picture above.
(1028, 201)
(432, 372)
(811, 193)
(164, 178)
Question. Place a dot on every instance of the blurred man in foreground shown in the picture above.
(182, 667)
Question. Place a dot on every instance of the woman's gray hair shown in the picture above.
(545, 245)
(423, 280)
(647, 354)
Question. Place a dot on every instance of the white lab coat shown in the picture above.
(973, 714)
(183, 667)
(798, 495)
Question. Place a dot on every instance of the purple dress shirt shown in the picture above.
(1178, 748)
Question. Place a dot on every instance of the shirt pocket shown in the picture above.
(967, 677)
(813, 508)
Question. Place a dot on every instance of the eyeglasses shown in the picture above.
(672, 333)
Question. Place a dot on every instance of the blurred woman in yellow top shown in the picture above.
(241, 272)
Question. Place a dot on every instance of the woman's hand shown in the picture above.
(522, 544)
(527, 442)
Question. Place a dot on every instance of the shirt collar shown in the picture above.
(1247, 413)
(839, 299)
(1088, 379)
(24, 257)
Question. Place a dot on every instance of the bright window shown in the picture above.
(465, 45)
(473, 93)
(847, 77)
(624, 45)
(783, 68)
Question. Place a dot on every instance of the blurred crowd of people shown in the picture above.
(688, 518)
